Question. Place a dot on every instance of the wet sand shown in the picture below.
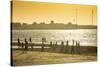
(21, 58)
(52, 55)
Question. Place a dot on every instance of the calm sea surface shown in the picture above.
(87, 37)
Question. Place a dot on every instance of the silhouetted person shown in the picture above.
(62, 46)
(73, 41)
(22, 45)
(67, 43)
(30, 41)
(72, 47)
(78, 45)
(43, 40)
(26, 44)
(50, 44)
(66, 47)
(18, 40)
(56, 45)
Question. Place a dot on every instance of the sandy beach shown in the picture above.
(21, 58)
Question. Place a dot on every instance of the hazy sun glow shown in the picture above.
(29, 12)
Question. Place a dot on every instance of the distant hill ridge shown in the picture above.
(52, 25)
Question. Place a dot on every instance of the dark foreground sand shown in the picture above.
(36, 57)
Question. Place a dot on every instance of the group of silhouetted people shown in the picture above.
(75, 46)
(27, 43)
(24, 44)
(63, 48)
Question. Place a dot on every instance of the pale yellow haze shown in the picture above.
(29, 12)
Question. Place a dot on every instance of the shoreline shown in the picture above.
(56, 48)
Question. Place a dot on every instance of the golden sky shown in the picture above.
(29, 12)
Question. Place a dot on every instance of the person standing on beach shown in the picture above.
(55, 47)
(30, 41)
(62, 46)
(78, 46)
(51, 44)
(72, 47)
(22, 47)
(43, 40)
(18, 40)
(26, 44)
(66, 48)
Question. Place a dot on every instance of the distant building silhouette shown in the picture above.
(24, 24)
(42, 23)
(69, 23)
(34, 23)
(16, 24)
(52, 22)
(52, 25)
